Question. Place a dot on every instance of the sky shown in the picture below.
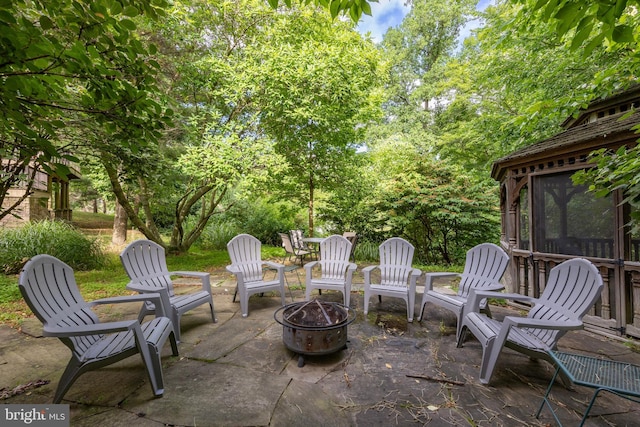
(389, 13)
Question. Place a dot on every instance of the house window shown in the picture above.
(569, 220)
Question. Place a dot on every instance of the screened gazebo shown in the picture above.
(546, 219)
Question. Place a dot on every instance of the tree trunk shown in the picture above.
(120, 221)
(311, 205)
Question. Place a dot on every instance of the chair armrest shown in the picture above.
(428, 278)
(476, 296)
(232, 269)
(352, 266)
(159, 298)
(366, 271)
(94, 329)
(526, 322)
(308, 266)
(203, 276)
(416, 272)
(274, 265)
(198, 274)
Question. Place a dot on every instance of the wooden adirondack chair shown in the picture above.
(571, 290)
(397, 276)
(145, 264)
(484, 266)
(48, 286)
(336, 272)
(247, 266)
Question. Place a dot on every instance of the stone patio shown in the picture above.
(238, 372)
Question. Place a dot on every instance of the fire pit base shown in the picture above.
(312, 328)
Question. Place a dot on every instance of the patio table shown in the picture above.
(619, 378)
(314, 240)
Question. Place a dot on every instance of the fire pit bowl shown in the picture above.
(314, 327)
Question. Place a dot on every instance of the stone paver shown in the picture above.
(238, 372)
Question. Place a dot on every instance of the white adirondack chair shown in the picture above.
(571, 290)
(397, 276)
(49, 287)
(336, 272)
(145, 264)
(247, 266)
(484, 266)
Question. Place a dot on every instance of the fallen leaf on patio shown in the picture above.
(432, 408)
(388, 365)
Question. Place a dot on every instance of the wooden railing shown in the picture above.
(618, 310)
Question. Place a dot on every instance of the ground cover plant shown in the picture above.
(55, 238)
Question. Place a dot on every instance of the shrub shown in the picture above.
(217, 234)
(367, 251)
(55, 238)
(260, 218)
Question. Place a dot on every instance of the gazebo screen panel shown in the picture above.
(570, 220)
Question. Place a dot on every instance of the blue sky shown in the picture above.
(385, 14)
(389, 13)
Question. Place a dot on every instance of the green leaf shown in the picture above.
(548, 11)
(620, 6)
(540, 4)
(334, 8)
(595, 42)
(130, 11)
(45, 22)
(567, 12)
(116, 8)
(584, 31)
(355, 12)
(366, 8)
(623, 34)
(273, 3)
(128, 24)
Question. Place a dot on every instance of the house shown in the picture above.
(49, 199)
(546, 219)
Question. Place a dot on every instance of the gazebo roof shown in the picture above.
(602, 133)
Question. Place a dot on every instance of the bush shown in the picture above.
(217, 234)
(55, 238)
(260, 218)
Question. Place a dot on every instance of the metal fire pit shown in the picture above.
(314, 327)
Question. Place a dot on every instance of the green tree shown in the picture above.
(616, 25)
(417, 50)
(68, 67)
(513, 85)
(438, 207)
(216, 148)
(316, 91)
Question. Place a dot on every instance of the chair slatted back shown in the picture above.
(334, 257)
(396, 259)
(49, 287)
(145, 262)
(571, 290)
(296, 239)
(484, 266)
(244, 251)
(286, 243)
